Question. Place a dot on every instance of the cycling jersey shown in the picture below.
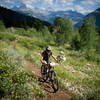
(46, 56)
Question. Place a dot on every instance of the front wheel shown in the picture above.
(44, 73)
(55, 84)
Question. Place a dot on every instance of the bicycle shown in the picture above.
(49, 72)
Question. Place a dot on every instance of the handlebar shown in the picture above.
(51, 64)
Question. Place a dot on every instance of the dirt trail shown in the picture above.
(59, 95)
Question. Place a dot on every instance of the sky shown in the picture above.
(82, 6)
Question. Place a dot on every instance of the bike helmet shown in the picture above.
(48, 48)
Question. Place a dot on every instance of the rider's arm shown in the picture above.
(43, 61)
(54, 57)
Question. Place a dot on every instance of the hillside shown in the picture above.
(96, 14)
(20, 52)
(15, 19)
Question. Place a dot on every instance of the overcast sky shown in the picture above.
(82, 6)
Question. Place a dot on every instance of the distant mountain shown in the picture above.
(50, 14)
(13, 18)
(74, 16)
(96, 14)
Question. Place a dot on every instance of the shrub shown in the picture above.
(91, 55)
(46, 35)
(75, 43)
(29, 32)
(7, 37)
(13, 78)
(27, 43)
(15, 81)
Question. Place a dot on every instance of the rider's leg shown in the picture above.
(45, 66)
(50, 71)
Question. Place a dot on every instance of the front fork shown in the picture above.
(50, 74)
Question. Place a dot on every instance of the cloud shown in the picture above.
(89, 3)
(28, 3)
(82, 9)
(64, 2)
(6, 2)
(83, 6)
(9, 1)
(42, 3)
(50, 3)
(86, 6)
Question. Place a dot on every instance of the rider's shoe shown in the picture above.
(43, 72)
(51, 79)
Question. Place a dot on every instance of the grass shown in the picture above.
(3, 45)
(77, 74)
(15, 81)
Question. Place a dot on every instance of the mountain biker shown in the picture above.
(45, 58)
(45, 68)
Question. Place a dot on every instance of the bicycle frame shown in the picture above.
(51, 74)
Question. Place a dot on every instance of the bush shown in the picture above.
(13, 78)
(27, 43)
(7, 37)
(75, 43)
(32, 43)
(91, 55)
(46, 35)
(87, 96)
(15, 81)
(29, 32)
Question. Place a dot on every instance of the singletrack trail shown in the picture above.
(59, 95)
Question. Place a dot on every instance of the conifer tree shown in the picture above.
(2, 26)
(88, 34)
(64, 30)
(24, 23)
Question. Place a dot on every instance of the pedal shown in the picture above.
(51, 79)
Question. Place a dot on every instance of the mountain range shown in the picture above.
(49, 14)
(16, 19)
(35, 17)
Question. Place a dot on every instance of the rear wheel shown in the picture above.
(44, 73)
(54, 80)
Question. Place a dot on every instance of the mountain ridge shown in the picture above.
(96, 15)
(16, 19)
(50, 14)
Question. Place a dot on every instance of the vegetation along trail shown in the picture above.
(59, 95)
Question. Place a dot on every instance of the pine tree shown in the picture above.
(98, 41)
(2, 26)
(88, 34)
(75, 43)
(64, 30)
(24, 23)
